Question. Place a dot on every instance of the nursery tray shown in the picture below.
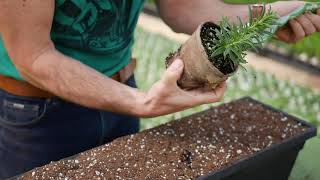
(273, 162)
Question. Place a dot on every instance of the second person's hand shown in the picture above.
(297, 28)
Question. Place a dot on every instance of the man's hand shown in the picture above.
(298, 28)
(166, 97)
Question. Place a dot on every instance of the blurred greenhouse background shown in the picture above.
(151, 50)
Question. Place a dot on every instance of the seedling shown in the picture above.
(227, 45)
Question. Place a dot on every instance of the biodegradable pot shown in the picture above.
(244, 139)
(198, 72)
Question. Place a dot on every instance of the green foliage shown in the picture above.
(233, 40)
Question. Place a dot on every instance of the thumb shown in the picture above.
(174, 71)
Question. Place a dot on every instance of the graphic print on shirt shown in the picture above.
(94, 25)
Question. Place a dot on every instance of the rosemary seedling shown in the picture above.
(226, 46)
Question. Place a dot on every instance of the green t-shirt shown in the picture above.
(99, 33)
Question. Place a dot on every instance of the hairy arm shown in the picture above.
(185, 15)
(25, 29)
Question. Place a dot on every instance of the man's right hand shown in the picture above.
(166, 97)
(297, 28)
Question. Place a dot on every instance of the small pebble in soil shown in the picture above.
(256, 149)
(284, 119)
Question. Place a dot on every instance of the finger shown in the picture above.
(318, 12)
(306, 24)
(297, 30)
(220, 90)
(285, 34)
(315, 20)
(212, 96)
(173, 73)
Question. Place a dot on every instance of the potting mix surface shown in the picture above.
(182, 149)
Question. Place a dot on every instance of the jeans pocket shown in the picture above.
(17, 112)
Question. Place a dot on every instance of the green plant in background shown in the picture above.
(150, 1)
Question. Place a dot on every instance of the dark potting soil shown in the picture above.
(207, 34)
(182, 149)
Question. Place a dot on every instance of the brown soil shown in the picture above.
(208, 33)
(182, 149)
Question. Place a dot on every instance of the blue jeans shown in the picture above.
(35, 131)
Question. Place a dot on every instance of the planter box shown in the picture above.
(244, 139)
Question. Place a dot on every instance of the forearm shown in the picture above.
(185, 16)
(25, 31)
(75, 82)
